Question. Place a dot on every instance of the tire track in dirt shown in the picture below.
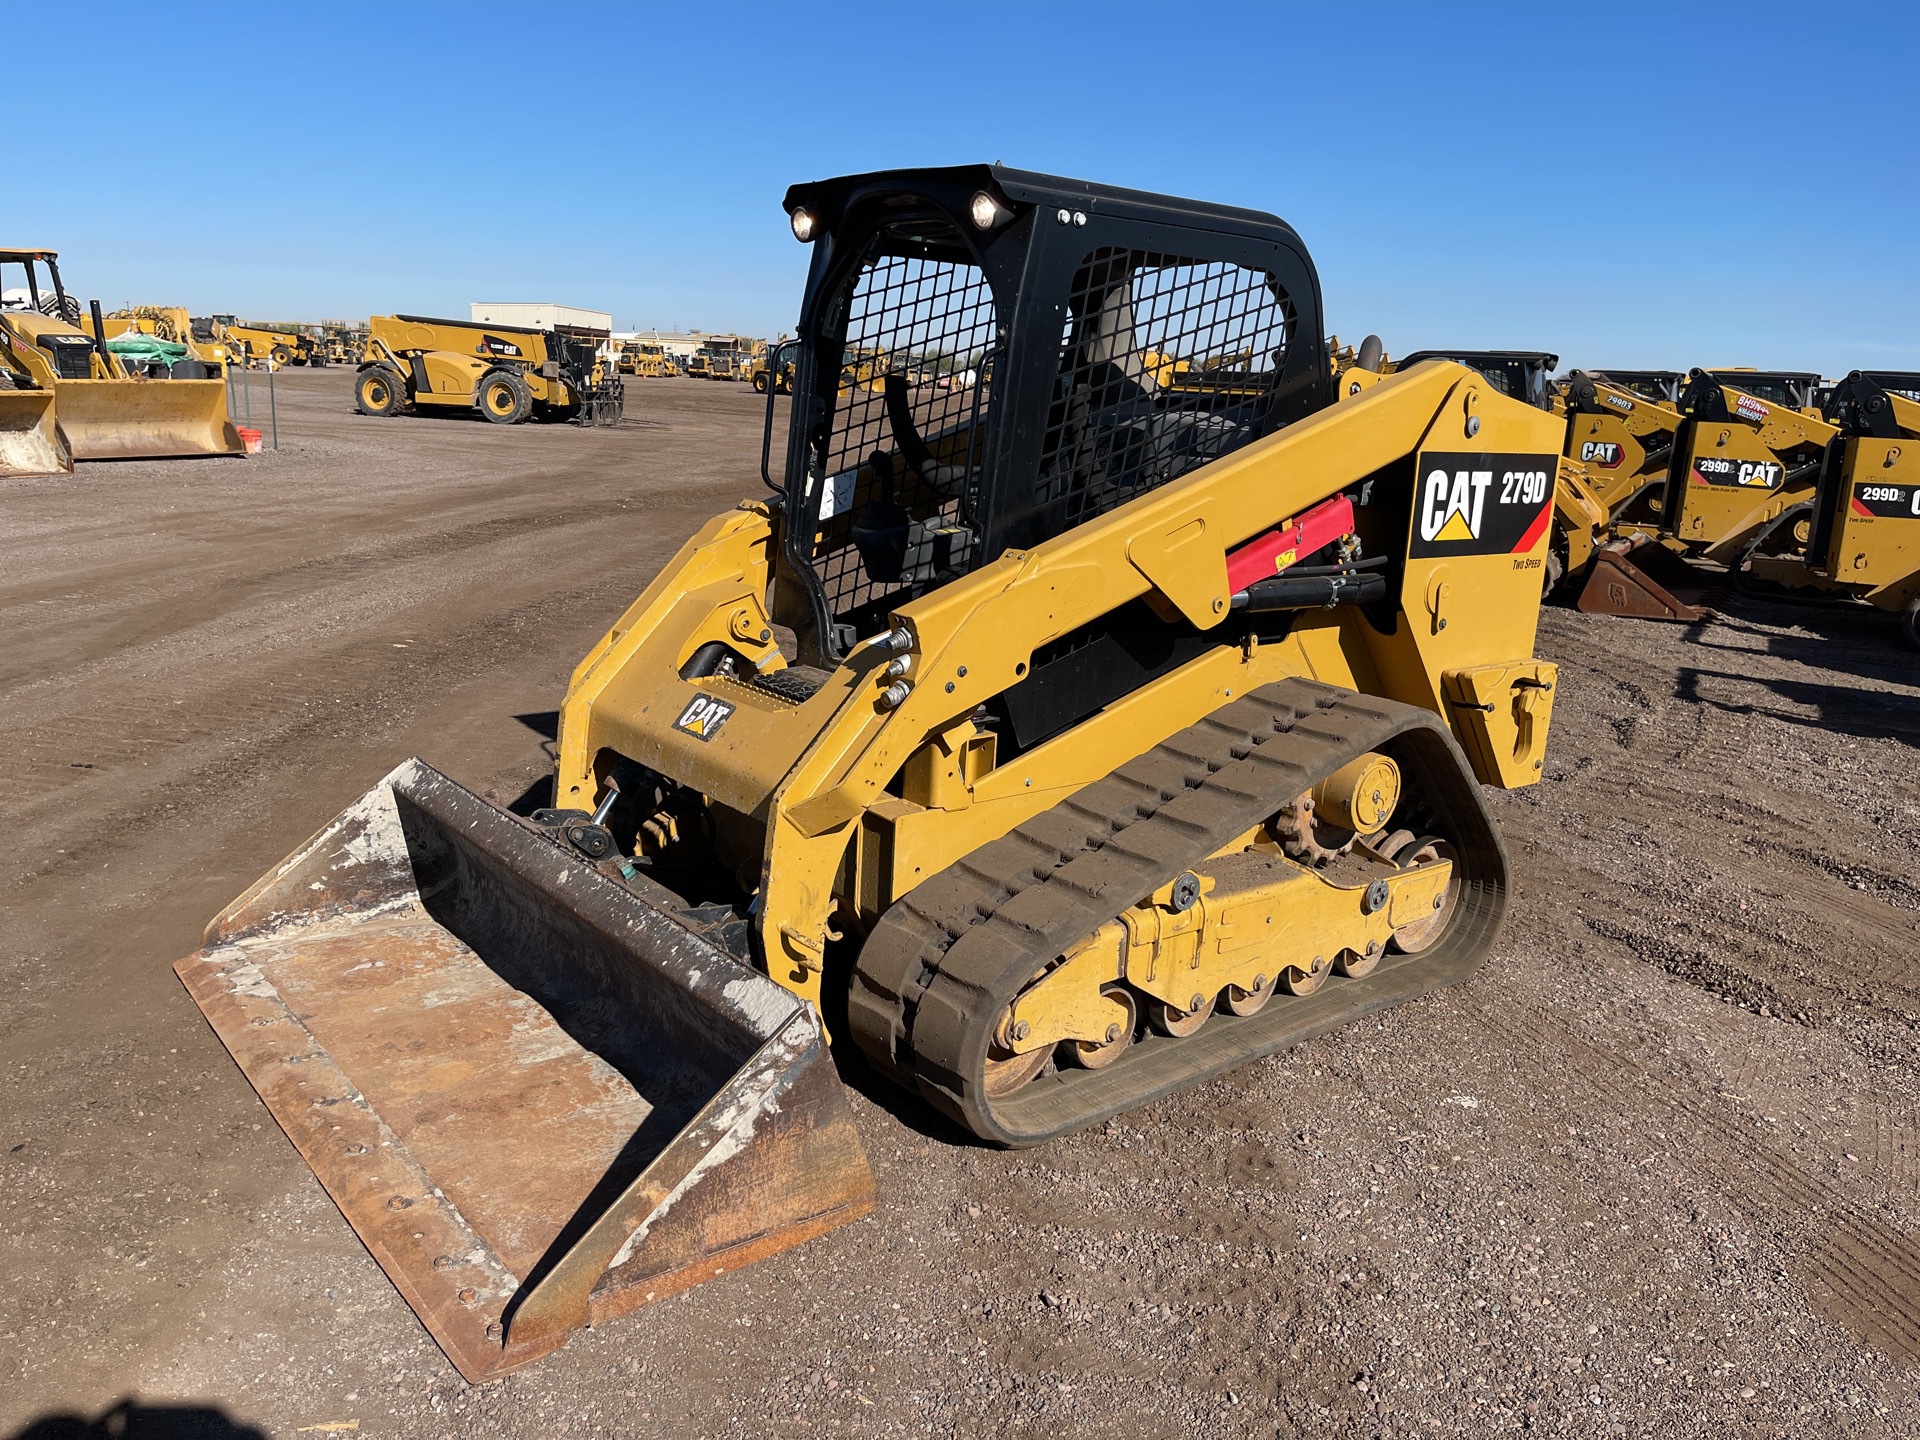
(85, 731)
(1858, 1272)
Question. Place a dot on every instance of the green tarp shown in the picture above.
(144, 350)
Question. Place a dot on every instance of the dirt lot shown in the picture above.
(1655, 1171)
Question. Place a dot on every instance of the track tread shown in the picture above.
(927, 990)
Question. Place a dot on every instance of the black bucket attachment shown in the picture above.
(539, 1098)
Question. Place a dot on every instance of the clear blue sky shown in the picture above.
(1635, 185)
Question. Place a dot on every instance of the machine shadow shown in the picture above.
(1866, 714)
(1856, 639)
(544, 723)
(132, 1420)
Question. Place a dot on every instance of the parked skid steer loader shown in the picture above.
(509, 373)
(1863, 542)
(1060, 740)
(64, 396)
(1621, 439)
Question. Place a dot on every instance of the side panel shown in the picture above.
(1878, 544)
(1730, 485)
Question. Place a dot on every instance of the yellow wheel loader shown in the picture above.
(64, 395)
(648, 361)
(508, 373)
(774, 371)
(1057, 741)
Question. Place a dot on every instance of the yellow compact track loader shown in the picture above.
(1059, 741)
(1621, 434)
(64, 396)
(1747, 450)
(1862, 541)
(509, 373)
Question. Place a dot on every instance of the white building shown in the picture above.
(541, 317)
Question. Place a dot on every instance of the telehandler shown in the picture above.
(509, 373)
(64, 396)
(1058, 741)
(276, 346)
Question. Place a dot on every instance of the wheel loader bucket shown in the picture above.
(147, 419)
(540, 1098)
(30, 438)
(1640, 578)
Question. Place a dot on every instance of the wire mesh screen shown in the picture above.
(898, 469)
(1165, 364)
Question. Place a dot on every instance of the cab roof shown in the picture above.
(829, 199)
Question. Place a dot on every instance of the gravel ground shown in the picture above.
(1655, 1171)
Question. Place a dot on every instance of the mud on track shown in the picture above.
(1655, 1171)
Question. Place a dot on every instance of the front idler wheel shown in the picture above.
(1007, 1072)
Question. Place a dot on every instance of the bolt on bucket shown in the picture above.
(1641, 578)
(538, 1097)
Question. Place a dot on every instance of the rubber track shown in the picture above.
(940, 968)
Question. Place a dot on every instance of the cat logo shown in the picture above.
(1753, 474)
(703, 717)
(1450, 508)
(1604, 453)
(494, 345)
(1482, 504)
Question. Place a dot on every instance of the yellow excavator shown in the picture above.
(65, 396)
(1054, 742)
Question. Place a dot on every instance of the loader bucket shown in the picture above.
(147, 419)
(540, 1098)
(30, 438)
(1643, 579)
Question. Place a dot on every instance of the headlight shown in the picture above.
(803, 221)
(987, 211)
